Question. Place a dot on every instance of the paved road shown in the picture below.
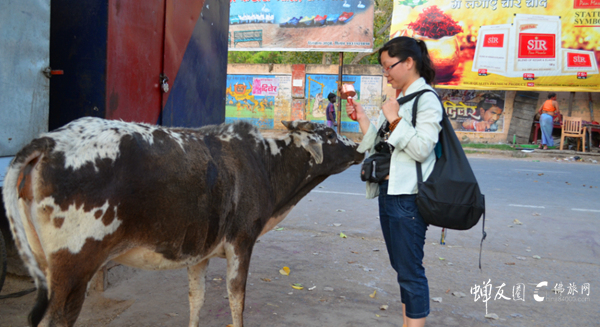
(560, 219)
(556, 204)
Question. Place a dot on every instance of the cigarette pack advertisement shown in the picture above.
(533, 45)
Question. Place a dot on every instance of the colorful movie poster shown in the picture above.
(254, 98)
(297, 25)
(474, 110)
(368, 92)
(534, 45)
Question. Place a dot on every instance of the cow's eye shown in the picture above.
(331, 135)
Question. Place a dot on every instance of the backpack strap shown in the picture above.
(407, 98)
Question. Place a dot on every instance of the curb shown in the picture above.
(546, 154)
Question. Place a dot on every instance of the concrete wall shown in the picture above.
(581, 104)
(298, 106)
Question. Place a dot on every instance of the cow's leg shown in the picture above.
(68, 282)
(238, 263)
(196, 277)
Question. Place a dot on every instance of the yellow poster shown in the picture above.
(532, 45)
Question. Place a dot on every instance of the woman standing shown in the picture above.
(408, 68)
(548, 111)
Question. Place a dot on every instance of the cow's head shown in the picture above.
(332, 153)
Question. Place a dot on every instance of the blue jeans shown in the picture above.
(404, 233)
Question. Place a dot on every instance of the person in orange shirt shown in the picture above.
(548, 111)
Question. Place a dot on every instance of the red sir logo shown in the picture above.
(493, 41)
(578, 60)
(581, 75)
(528, 76)
(531, 84)
(533, 45)
(482, 72)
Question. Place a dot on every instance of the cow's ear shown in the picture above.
(299, 125)
(316, 150)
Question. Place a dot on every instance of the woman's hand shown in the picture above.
(390, 110)
(353, 107)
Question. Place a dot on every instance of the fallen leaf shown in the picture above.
(517, 222)
(459, 294)
(342, 235)
(312, 288)
(541, 174)
(436, 299)
(285, 271)
(280, 228)
(384, 307)
(297, 286)
(266, 279)
(351, 262)
(510, 263)
(341, 210)
(376, 315)
(354, 252)
(492, 316)
(337, 225)
(537, 257)
(442, 258)
(448, 290)
(373, 295)
(172, 314)
(217, 278)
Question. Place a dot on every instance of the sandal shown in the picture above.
(540, 147)
(545, 147)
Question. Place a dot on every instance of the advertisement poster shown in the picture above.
(531, 45)
(368, 92)
(474, 111)
(301, 25)
(254, 98)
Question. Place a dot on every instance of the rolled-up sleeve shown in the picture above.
(418, 142)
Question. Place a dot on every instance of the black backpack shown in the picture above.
(450, 197)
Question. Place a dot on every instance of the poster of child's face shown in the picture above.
(475, 111)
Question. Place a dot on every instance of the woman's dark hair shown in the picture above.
(403, 47)
(551, 95)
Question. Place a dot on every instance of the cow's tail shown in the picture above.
(15, 181)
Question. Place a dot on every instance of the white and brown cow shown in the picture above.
(157, 198)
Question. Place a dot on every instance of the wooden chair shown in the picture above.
(571, 127)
